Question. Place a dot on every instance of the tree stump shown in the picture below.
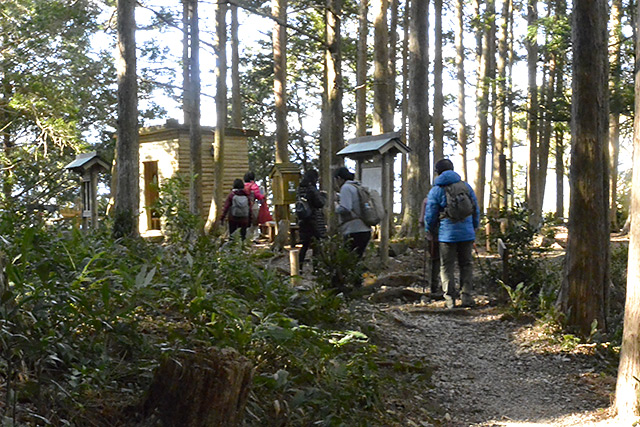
(207, 388)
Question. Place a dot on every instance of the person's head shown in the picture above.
(443, 165)
(310, 177)
(238, 184)
(342, 175)
(249, 176)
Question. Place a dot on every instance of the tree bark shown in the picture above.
(533, 111)
(615, 43)
(333, 120)
(127, 193)
(561, 11)
(361, 69)
(236, 101)
(628, 387)
(460, 56)
(438, 96)
(482, 103)
(418, 170)
(201, 389)
(498, 180)
(583, 293)
(382, 103)
(215, 208)
(195, 136)
(279, 10)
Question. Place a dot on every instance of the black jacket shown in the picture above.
(315, 224)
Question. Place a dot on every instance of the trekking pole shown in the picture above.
(424, 266)
(475, 248)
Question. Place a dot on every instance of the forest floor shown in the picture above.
(485, 367)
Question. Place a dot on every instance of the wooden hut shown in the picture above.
(165, 152)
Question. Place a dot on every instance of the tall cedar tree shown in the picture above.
(127, 194)
(628, 387)
(583, 294)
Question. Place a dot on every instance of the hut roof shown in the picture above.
(86, 161)
(174, 125)
(368, 146)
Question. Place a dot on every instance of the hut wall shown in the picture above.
(171, 149)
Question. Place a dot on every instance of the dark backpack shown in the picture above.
(371, 210)
(303, 208)
(240, 206)
(459, 202)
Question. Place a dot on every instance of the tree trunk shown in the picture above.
(200, 389)
(405, 101)
(462, 121)
(438, 97)
(532, 112)
(382, 103)
(498, 179)
(127, 193)
(195, 136)
(221, 115)
(334, 121)
(628, 387)
(548, 85)
(418, 170)
(361, 69)
(615, 43)
(583, 294)
(561, 11)
(482, 103)
(236, 101)
(279, 10)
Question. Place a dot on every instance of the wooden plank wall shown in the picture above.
(169, 146)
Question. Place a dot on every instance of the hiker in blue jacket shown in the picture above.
(456, 236)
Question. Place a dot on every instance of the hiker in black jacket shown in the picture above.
(314, 227)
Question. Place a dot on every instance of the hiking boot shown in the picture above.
(467, 301)
(449, 302)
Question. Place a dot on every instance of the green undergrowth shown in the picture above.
(530, 289)
(85, 320)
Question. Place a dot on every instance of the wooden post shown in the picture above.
(294, 266)
(503, 251)
(93, 182)
(387, 202)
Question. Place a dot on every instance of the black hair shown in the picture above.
(238, 184)
(344, 173)
(443, 165)
(249, 176)
(310, 177)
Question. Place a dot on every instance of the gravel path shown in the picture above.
(488, 374)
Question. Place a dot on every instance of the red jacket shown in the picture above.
(251, 188)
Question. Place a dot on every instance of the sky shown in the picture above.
(253, 28)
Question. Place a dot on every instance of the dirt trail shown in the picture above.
(488, 374)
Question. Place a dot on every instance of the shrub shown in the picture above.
(337, 267)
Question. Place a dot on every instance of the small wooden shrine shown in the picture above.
(88, 166)
(165, 152)
(285, 178)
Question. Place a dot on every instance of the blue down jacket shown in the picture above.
(449, 231)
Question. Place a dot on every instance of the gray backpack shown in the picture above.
(240, 206)
(459, 202)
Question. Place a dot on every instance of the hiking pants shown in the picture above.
(358, 241)
(449, 254)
